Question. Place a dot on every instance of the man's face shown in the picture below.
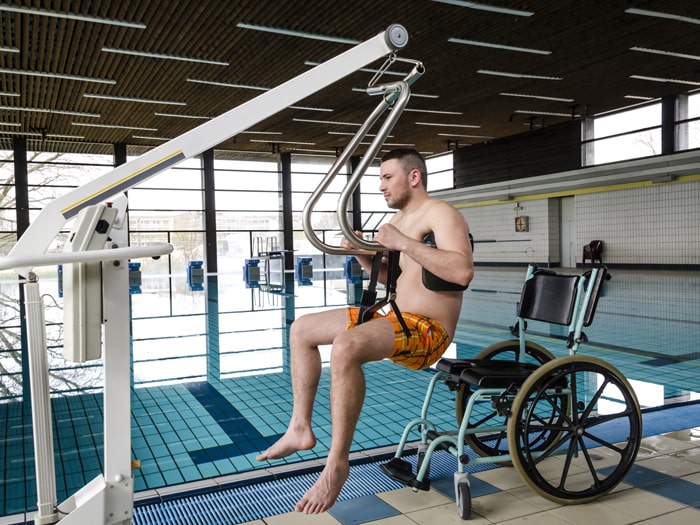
(394, 184)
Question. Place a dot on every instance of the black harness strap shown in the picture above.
(369, 304)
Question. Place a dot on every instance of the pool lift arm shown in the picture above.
(108, 499)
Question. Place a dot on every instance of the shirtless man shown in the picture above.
(431, 317)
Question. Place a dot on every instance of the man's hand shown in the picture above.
(390, 237)
(344, 243)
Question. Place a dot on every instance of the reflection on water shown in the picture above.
(646, 324)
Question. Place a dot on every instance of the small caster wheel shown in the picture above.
(464, 500)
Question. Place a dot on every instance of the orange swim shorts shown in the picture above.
(427, 343)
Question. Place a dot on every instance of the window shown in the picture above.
(440, 172)
(623, 135)
(688, 127)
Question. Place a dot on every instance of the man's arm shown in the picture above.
(452, 260)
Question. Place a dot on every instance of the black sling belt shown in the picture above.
(369, 304)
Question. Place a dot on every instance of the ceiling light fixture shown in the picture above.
(465, 136)
(41, 135)
(15, 124)
(498, 46)
(111, 126)
(252, 132)
(284, 142)
(320, 152)
(134, 99)
(539, 97)
(330, 122)
(515, 75)
(70, 16)
(659, 14)
(353, 134)
(447, 125)
(145, 137)
(638, 97)
(665, 53)
(52, 111)
(301, 34)
(663, 79)
(174, 115)
(8, 49)
(22, 133)
(435, 111)
(9, 94)
(64, 76)
(485, 7)
(392, 144)
(308, 108)
(545, 113)
(226, 84)
(59, 136)
(147, 54)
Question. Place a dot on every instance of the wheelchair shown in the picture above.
(571, 426)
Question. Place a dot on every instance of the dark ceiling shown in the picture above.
(598, 56)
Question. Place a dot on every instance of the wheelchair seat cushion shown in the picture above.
(487, 373)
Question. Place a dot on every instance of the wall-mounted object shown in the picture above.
(522, 223)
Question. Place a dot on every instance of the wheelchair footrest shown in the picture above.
(402, 471)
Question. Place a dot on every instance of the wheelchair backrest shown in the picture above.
(548, 297)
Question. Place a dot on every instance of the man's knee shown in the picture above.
(301, 329)
(350, 350)
(344, 350)
(319, 328)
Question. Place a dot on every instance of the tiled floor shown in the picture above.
(662, 488)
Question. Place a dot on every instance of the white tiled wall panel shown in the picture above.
(651, 225)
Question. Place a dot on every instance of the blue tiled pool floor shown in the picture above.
(188, 432)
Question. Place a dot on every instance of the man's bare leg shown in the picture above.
(307, 333)
(371, 341)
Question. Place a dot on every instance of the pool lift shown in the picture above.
(96, 256)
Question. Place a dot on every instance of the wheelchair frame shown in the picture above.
(537, 406)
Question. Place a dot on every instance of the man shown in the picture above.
(431, 317)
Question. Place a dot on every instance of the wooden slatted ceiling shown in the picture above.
(589, 41)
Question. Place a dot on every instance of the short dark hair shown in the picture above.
(410, 159)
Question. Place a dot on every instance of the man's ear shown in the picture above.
(415, 177)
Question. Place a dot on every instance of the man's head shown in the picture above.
(410, 159)
(402, 174)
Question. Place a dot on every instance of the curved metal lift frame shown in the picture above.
(108, 499)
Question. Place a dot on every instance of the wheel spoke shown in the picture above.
(594, 400)
(589, 462)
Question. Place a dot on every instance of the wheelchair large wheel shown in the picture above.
(495, 443)
(595, 445)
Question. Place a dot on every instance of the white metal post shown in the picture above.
(117, 389)
(41, 405)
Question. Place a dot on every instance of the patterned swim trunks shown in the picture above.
(427, 343)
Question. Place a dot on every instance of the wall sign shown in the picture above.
(521, 223)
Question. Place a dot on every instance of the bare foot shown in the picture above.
(325, 491)
(291, 442)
